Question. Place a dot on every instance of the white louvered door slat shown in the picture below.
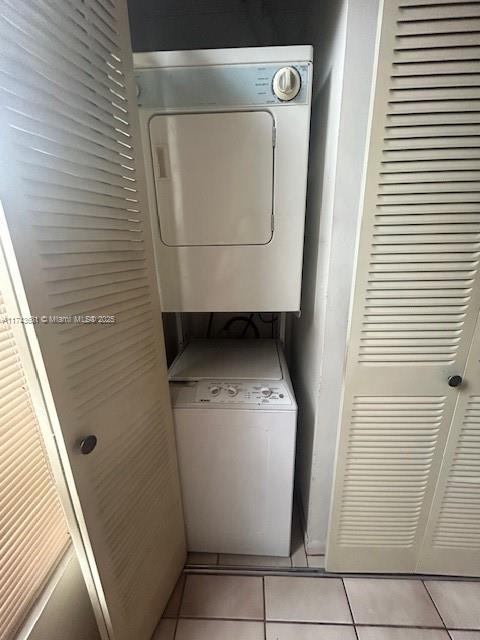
(72, 186)
(417, 287)
(452, 539)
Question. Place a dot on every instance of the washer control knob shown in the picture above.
(286, 83)
(232, 391)
(266, 393)
(214, 391)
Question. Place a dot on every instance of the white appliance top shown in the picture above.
(205, 57)
(228, 359)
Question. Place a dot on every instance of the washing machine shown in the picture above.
(235, 422)
(225, 135)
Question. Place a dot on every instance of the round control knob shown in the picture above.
(215, 391)
(232, 392)
(286, 83)
(266, 393)
(455, 381)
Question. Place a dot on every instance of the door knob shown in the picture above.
(88, 444)
(455, 381)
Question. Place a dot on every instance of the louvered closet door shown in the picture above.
(452, 540)
(72, 185)
(417, 288)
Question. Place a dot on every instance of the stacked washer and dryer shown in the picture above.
(225, 135)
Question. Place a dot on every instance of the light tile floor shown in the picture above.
(234, 607)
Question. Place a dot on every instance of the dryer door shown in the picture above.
(214, 177)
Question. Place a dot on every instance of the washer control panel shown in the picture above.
(271, 392)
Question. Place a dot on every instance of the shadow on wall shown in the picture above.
(304, 364)
(68, 614)
(163, 25)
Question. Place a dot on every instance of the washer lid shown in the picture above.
(228, 359)
(214, 177)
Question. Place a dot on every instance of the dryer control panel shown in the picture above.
(220, 86)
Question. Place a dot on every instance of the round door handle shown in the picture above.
(455, 381)
(88, 444)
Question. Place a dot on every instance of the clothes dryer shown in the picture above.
(225, 136)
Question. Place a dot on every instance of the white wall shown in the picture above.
(338, 137)
(68, 614)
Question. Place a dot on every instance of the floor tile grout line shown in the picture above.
(398, 626)
(247, 570)
(313, 623)
(317, 623)
(221, 619)
(349, 608)
(436, 608)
